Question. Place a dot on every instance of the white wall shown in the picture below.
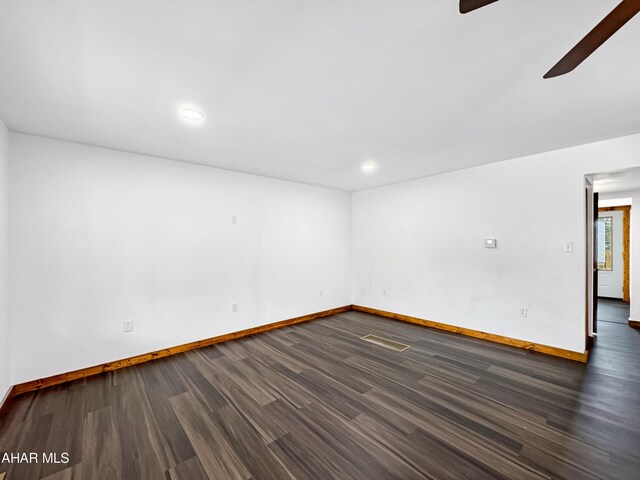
(5, 382)
(421, 241)
(100, 236)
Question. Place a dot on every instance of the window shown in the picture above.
(603, 241)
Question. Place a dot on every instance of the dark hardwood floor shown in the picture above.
(313, 401)
(612, 310)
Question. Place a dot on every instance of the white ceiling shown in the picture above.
(307, 91)
(617, 181)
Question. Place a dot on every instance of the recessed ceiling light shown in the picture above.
(369, 166)
(192, 115)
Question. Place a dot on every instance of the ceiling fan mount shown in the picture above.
(613, 22)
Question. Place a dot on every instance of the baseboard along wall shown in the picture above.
(146, 357)
(127, 362)
(536, 347)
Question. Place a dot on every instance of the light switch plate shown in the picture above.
(568, 247)
(127, 326)
(490, 243)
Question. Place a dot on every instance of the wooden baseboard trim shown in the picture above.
(634, 323)
(557, 352)
(146, 357)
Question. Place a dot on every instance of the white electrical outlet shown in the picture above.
(127, 326)
(523, 312)
(321, 292)
(234, 219)
(568, 247)
(490, 243)
(384, 292)
(234, 307)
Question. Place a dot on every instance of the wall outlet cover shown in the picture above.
(490, 243)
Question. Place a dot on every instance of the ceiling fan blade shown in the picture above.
(467, 6)
(596, 37)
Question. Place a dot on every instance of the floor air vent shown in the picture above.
(383, 342)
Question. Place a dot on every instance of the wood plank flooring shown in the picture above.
(313, 401)
(612, 310)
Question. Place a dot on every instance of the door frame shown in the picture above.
(626, 247)
(591, 277)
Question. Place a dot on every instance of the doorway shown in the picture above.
(612, 262)
(610, 218)
(612, 251)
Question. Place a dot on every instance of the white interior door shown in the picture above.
(610, 281)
